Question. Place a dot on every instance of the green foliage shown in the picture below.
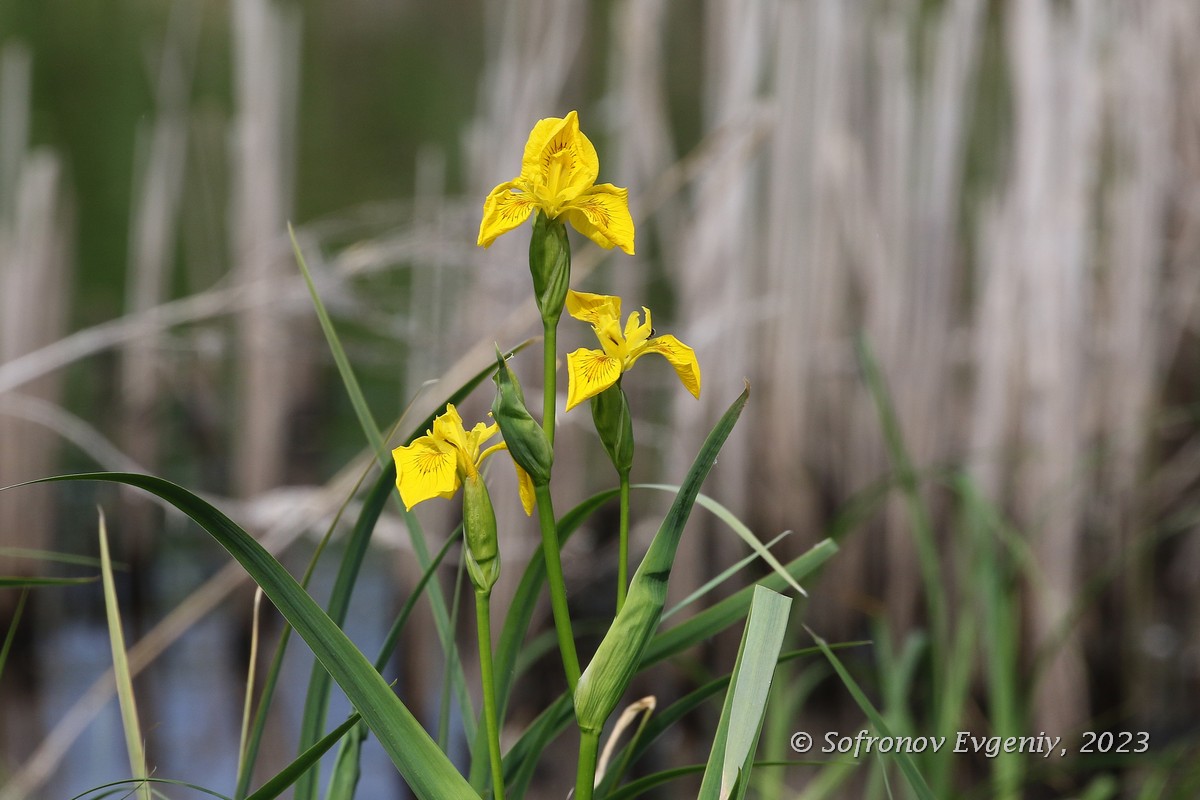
(736, 736)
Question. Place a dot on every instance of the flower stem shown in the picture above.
(549, 389)
(483, 623)
(623, 544)
(585, 779)
(558, 587)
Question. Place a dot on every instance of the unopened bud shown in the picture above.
(610, 413)
(550, 265)
(527, 443)
(479, 527)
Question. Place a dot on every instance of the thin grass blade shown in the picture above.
(18, 610)
(738, 527)
(915, 780)
(18, 582)
(304, 763)
(116, 638)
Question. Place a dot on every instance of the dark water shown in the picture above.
(190, 700)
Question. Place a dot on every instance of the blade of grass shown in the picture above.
(163, 781)
(720, 578)
(18, 610)
(304, 763)
(60, 558)
(125, 698)
(736, 737)
(732, 608)
(915, 780)
(737, 526)
(426, 769)
(918, 513)
(248, 702)
(316, 701)
(18, 582)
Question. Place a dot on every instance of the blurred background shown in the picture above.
(999, 199)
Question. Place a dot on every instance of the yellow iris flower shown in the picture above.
(436, 464)
(590, 372)
(558, 176)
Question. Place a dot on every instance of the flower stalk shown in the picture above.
(558, 586)
(585, 777)
(483, 625)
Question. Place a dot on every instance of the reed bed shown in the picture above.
(951, 245)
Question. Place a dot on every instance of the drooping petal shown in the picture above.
(589, 372)
(681, 357)
(559, 161)
(425, 469)
(602, 214)
(506, 207)
(595, 309)
(525, 489)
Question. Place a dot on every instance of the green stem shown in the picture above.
(483, 623)
(589, 744)
(623, 544)
(549, 376)
(558, 587)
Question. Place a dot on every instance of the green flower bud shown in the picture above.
(610, 413)
(550, 265)
(527, 443)
(479, 527)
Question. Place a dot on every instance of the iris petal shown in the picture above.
(589, 372)
(680, 356)
(559, 161)
(594, 309)
(525, 490)
(425, 469)
(602, 214)
(506, 207)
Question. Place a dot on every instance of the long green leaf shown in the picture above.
(728, 771)
(258, 729)
(316, 703)
(125, 698)
(613, 666)
(304, 763)
(426, 769)
(346, 769)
